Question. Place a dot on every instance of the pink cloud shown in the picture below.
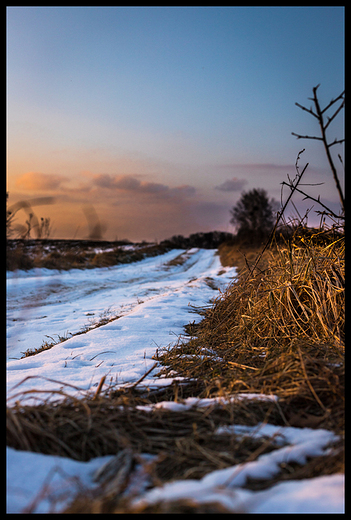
(131, 184)
(233, 184)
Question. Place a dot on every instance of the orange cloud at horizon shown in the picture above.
(37, 181)
(130, 220)
(125, 206)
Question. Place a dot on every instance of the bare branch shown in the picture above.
(309, 110)
(330, 119)
(340, 159)
(319, 114)
(313, 184)
(307, 137)
(336, 141)
(333, 101)
(311, 198)
(298, 159)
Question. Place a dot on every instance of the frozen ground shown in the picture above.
(152, 300)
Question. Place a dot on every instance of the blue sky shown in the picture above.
(160, 117)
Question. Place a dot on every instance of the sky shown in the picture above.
(156, 119)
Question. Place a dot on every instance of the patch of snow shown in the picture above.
(190, 402)
(226, 486)
(315, 495)
(152, 299)
(45, 483)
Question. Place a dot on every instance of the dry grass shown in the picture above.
(90, 427)
(278, 330)
(178, 260)
(68, 254)
(83, 254)
(240, 256)
(90, 504)
(184, 443)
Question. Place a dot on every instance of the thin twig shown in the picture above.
(143, 377)
(309, 110)
(281, 213)
(323, 126)
(330, 119)
(341, 96)
(325, 142)
(315, 200)
(99, 388)
(336, 141)
(307, 136)
(240, 365)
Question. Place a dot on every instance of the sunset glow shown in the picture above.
(159, 118)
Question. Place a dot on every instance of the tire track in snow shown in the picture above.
(152, 297)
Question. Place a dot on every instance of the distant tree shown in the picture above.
(253, 215)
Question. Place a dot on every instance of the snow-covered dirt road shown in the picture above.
(152, 299)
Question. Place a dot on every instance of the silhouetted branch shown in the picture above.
(341, 96)
(336, 141)
(330, 119)
(293, 188)
(312, 198)
(309, 110)
(323, 126)
(342, 163)
(307, 136)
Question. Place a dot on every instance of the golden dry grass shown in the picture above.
(277, 330)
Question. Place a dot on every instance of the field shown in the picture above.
(177, 381)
